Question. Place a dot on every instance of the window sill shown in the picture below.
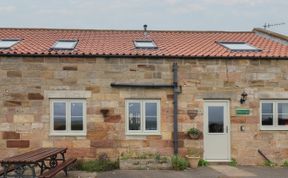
(143, 134)
(273, 129)
(67, 134)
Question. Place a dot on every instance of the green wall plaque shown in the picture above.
(242, 111)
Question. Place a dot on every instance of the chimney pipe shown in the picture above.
(145, 31)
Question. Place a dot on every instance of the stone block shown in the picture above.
(146, 67)
(23, 118)
(72, 68)
(4, 127)
(63, 143)
(113, 119)
(47, 144)
(14, 74)
(10, 135)
(18, 143)
(81, 143)
(93, 89)
(103, 143)
(35, 96)
(11, 103)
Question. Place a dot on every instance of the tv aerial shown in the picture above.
(268, 25)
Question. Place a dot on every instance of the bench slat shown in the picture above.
(52, 172)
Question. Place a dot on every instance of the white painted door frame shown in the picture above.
(217, 146)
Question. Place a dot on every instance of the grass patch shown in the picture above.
(179, 163)
(202, 163)
(97, 165)
(103, 163)
(269, 163)
(233, 162)
(285, 164)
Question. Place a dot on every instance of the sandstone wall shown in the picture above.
(24, 108)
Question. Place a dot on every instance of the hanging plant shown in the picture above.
(194, 133)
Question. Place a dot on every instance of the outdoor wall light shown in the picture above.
(243, 97)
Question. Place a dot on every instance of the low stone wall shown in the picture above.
(144, 164)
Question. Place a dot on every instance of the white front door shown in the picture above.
(216, 131)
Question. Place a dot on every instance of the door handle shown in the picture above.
(226, 128)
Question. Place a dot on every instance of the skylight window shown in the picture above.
(65, 44)
(8, 43)
(145, 44)
(239, 46)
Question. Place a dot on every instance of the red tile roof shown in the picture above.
(120, 43)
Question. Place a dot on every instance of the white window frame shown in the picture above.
(275, 125)
(75, 42)
(137, 46)
(14, 42)
(142, 131)
(250, 48)
(68, 131)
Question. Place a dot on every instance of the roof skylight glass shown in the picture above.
(145, 44)
(65, 44)
(239, 46)
(8, 43)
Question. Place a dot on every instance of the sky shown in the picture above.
(228, 15)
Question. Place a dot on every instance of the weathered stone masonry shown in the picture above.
(24, 108)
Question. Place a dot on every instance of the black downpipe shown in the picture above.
(175, 103)
(124, 85)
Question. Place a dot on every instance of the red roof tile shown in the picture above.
(120, 43)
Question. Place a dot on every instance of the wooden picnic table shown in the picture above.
(44, 158)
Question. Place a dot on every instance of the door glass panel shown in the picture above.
(151, 116)
(134, 116)
(216, 119)
(267, 113)
(59, 116)
(282, 113)
(76, 116)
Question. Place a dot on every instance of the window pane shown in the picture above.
(151, 116)
(144, 44)
(59, 116)
(134, 116)
(267, 119)
(283, 119)
(59, 109)
(216, 119)
(59, 123)
(76, 109)
(65, 44)
(267, 108)
(7, 43)
(76, 123)
(282, 108)
(151, 109)
(151, 123)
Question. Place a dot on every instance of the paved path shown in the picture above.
(216, 171)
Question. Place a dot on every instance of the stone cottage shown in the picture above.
(110, 91)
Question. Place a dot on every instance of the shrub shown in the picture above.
(103, 163)
(269, 163)
(285, 164)
(179, 163)
(202, 163)
(233, 162)
(98, 165)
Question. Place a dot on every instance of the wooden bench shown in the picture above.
(63, 166)
(9, 170)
